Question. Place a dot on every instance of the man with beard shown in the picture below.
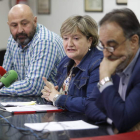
(117, 95)
(32, 51)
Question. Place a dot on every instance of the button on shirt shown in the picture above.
(125, 76)
(39, 58)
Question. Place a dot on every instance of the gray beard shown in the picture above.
(23, 43)
(122, 66)
(118, 70)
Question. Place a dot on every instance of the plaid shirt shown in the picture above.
(39, 58)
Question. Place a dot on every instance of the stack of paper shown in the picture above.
(25, 108)
(12, 104)
(60, 126)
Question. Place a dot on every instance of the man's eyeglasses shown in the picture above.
(109, 48)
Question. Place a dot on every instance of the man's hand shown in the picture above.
(108, 67)
(49, 90)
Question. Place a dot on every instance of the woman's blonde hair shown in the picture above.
(85, 24)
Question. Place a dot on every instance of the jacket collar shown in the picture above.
(85, 61)
(134, 75)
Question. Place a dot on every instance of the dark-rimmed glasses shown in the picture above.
(109, 48)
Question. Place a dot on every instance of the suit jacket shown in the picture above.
(125, 114)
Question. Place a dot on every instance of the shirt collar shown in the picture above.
(85, 61)
(25, 46)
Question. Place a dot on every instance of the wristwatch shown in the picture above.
(54, 98)
(104, 81)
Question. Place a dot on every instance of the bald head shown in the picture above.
(20, 10)
(22, 23)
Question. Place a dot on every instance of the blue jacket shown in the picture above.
(84, 78)
(125, 114)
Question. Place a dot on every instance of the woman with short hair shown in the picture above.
(78, 72)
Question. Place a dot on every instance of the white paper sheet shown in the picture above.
(18, 103)
(60, 126)
(31, 108)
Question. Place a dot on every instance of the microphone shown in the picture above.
(2, 71)
(8, 78)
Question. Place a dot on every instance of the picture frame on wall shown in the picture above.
(44, 6)
(121, 2)
(93, 5)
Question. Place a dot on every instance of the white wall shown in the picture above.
(135, 6)
(60, 11)
(4, 29)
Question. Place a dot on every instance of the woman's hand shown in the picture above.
(49, 90)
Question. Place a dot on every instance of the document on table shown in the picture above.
(32, 109)
(60, 126)
(12, 104)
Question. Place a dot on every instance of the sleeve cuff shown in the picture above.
(56, 101)
(109, 121)
(105, 86)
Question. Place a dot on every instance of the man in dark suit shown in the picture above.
(117, 95)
